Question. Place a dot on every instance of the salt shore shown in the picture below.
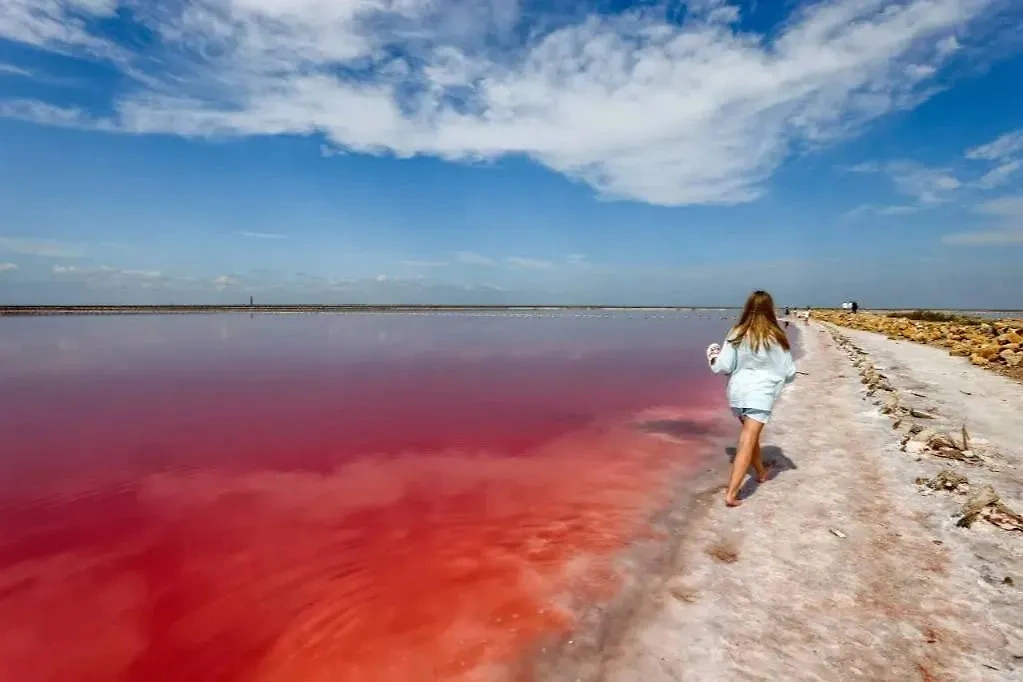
(992, 343)
(857, 560)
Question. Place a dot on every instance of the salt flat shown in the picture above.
(842, 567)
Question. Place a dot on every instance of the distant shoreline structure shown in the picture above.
(54, 310)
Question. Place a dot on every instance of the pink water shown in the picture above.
(349, 498)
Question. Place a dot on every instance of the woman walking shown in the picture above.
(756, 356)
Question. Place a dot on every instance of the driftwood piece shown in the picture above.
(976, 504)
(1003, 517)
(986, 504)
(956, 454)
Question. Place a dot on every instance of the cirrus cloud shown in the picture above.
(524, 263)
(261, 235)
(700, 111)
(224, 281)
(1005, 229)
(998, 149)
(44, 248)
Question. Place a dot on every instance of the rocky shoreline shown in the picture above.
(992, 344)
(918, 439)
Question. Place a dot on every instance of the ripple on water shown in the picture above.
(337, 498)
(423, 566)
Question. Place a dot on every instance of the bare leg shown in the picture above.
(763, 470)
(749, 437)
(758, 462)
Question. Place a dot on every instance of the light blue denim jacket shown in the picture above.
(755, 379)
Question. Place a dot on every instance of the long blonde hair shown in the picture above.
(759, 324)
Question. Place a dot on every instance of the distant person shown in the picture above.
(786, 311)
(757, 357)
(855, 307)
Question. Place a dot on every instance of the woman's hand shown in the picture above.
(713, 351)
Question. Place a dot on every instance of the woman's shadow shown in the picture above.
(774, 457)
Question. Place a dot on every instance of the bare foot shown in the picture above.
(767, 475)
(732, 500)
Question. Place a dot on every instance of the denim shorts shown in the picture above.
(762, 416)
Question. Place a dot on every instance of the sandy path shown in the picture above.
(768, 592)
(957, 393)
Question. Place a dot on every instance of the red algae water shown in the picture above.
(332, 498)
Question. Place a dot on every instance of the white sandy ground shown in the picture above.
(957, 394)
(768, 592)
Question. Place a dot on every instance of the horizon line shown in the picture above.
(114, 308)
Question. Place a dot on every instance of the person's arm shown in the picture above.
(724, 362)
(788, 366)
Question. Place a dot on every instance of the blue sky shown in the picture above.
(497, 151)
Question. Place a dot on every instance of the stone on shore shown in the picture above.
(993, 344)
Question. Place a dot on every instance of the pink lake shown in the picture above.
(332, 498)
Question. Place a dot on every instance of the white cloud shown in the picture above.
(11, 70)
(105, 272)
(859, 210)
(224, 281)
(528, 263)
(873, 209)
(898, 210)
(514, 262)
(865, 167)
(34, 111)
(47, 248)
(425, 263)
(928, 186)
(1006, 215)
(262, 235)
(72, 270)
(948, 45)
(472, 258)
(144, 274)
(108, 278)
(633, 105)
(1004, 146)
(999, 175)
(1007, 236)
(63, 26)
(8, 267)
(48, 114)
(1003, 207)
(999, 151)
(921, 71)
(933, 186)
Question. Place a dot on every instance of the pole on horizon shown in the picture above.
(250, 301)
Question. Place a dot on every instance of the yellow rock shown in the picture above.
(988, 343)
(989, 351)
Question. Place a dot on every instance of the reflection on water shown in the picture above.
(336, 498)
